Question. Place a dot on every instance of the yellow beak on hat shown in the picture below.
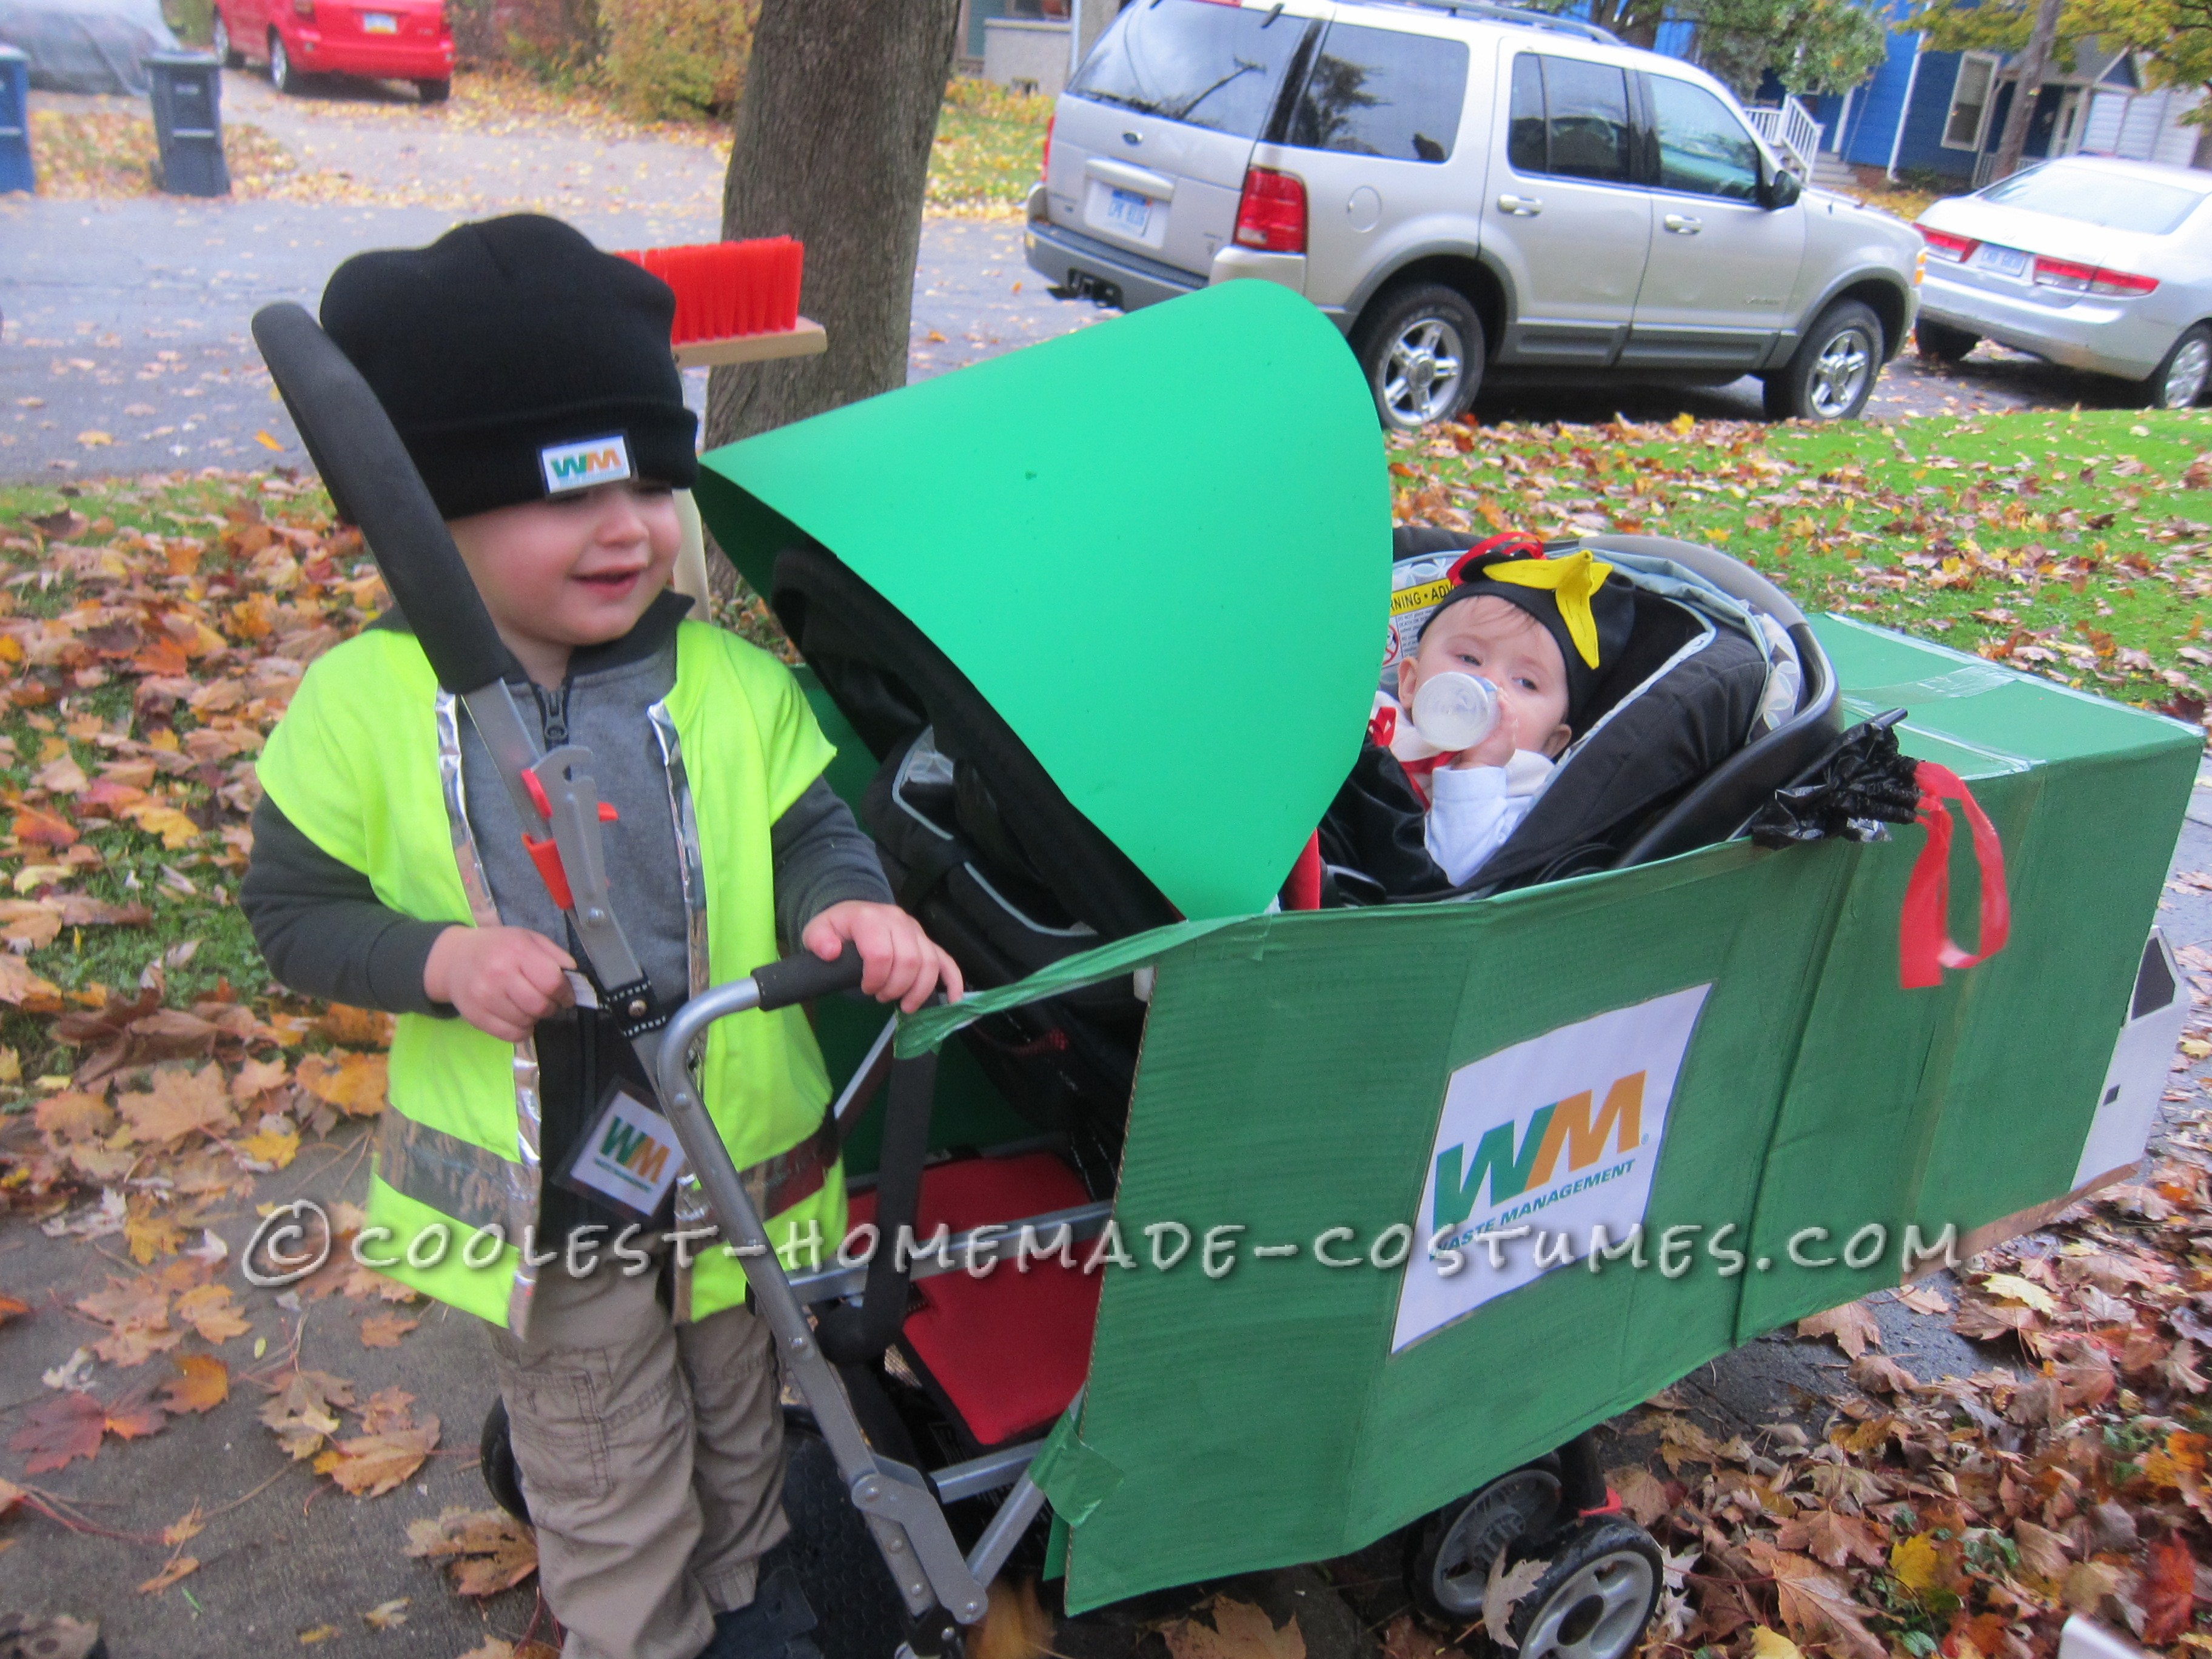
(1572, 580)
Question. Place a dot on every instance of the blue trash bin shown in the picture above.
(187, 94)
(16, 170)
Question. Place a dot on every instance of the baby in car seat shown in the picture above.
(1540, 631)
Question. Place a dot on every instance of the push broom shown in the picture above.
(736, 302)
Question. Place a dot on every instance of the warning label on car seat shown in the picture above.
(1559, 1133)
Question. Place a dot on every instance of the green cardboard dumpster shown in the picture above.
(1413, 1194)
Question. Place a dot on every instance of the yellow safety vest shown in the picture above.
(366, 762)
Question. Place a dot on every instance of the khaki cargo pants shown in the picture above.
(652, 1456)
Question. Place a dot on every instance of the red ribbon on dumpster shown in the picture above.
(1924, 945)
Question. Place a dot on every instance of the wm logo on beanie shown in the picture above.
(571, 467)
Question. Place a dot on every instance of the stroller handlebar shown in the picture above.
(803, 978)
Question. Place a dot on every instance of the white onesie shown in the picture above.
(1473, 809)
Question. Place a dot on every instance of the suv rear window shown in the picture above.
(1374, 91)
(1194, 61)
(2097, 197)
(1569, 118)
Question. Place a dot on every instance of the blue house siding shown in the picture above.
(1879, 102)
(1923, 145)
(1871, 117)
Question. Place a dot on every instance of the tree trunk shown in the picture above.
(1636, 21)
(2026, 91)
(832, 147)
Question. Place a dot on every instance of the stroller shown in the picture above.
(1239, 1237)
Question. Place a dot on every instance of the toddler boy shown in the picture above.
(388, 872)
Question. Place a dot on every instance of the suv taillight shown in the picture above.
(1271, 212)
(2070, 277)
(1044, 166)
(1944, 246)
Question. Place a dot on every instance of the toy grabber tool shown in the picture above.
(374, 484)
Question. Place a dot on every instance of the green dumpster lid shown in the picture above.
(1159, 547)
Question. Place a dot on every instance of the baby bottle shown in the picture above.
(1455, 711)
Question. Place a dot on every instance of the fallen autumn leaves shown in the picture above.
(140, 668)
(1967, 1516)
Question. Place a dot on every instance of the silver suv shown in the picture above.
(1465, 188)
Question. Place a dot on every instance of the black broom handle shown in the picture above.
(374, 484)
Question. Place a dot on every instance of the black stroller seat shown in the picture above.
(978, 841)
(980, 844)
(1651, 775)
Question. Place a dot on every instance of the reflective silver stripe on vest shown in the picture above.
(453, 1176)
(690, 1203)
(521, 1180)
(472, 1186)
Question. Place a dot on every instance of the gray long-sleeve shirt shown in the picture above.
(324, 932)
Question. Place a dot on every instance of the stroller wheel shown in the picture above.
(1594, 1600)
(496, 1457)
(1449, 1566)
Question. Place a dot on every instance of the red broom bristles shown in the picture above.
(729, 288)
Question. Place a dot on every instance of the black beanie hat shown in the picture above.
(1612, 613)
(518, 362)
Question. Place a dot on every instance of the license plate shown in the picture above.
(1126, 211)
(379, 22)
(2005, 261)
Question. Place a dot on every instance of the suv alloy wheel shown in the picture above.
(1422, 350)
(1832, 373)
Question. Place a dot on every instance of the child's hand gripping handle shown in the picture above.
(803, 978)
(372, 483)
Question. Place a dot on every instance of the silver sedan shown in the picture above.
(2097, 263)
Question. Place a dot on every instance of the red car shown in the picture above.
(384, 39)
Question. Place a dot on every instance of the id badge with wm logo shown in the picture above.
(628, 1159)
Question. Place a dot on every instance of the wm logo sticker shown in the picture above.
(1564, 1126)
(570, 467)
(634, 1149)
(1562, 1132)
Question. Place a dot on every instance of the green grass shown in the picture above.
(2077, 545)
(136, 866)
(990, 143)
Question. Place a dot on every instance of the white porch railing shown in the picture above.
(1791, 131)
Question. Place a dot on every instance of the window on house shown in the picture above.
(1970, 102)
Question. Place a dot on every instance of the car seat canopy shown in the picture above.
(1071, 526)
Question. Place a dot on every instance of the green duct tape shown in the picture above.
(1073, 1476)
(925, 1033)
